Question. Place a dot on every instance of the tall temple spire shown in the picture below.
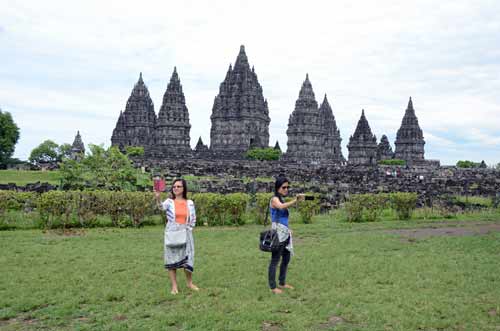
(135, 126)
(240, 114)
(172, 126)
(241, 62)
(409, 139)
(332, 139)
(306, 93)
(362, 144)
(305, 127)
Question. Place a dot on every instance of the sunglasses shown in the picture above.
(285, 187)
(177, 186)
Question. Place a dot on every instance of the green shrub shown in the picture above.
(12, 200)
(467, 164)
(308, 208)
(263, 154)
(365, 207)
(398, 162)
(262, 207)
(354, 208)
(404, 203)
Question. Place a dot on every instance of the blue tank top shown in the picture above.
(279, 215)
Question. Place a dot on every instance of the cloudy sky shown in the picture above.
(69, 66)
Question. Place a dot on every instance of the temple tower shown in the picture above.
(172, 126)
(305, 127)
(240, 115)
(136, 125)
(201, 150)
(409, 139)
(362, 144)
(332, 140)
(384, 149)
(77, 148)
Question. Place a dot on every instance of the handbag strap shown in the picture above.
(267, 211)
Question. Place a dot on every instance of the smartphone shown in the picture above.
(309, 197)
(159, 184)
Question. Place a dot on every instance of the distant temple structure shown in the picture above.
(240, 116)
(312, 132)
(240, 122)
(362, 144)
(136, 125)
(410, 140)
(77, 148)
(172, 126)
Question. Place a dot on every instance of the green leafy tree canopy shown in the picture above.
(107, 169)
(9, 135)
(45, 152)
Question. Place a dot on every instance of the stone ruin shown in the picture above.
(240, 121)
(312, 131)
(77, 148)
(240, 116)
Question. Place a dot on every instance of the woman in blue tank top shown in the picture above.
(278, 210)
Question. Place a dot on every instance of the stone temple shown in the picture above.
(240, 121)
(240, 116)
(410, 140)
(172, 126)
(362, 144)
(136, 125)
(312, 132)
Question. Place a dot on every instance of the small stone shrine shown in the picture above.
(384, 149)
(77, 148)
(362, 144)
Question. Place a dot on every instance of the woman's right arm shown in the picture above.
(159, 204)
(276, 203)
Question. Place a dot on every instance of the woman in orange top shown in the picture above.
(181, 215)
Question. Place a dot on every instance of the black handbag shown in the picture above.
(269, 241)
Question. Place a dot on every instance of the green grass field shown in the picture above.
(23, 177)
(347, 277)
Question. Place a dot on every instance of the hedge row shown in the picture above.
(368, 207)
(82, 208)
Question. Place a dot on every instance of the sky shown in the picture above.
(69, 66)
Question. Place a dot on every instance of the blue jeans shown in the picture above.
(283, 253)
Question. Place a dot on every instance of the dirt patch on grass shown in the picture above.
(440, 229)
(332, 322)
(271, 326)
(70, 232)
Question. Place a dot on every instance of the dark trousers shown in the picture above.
(283, 253)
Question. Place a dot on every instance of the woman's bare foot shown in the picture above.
(174, 291)
(194, 287)
(287, 286)
(276, 291)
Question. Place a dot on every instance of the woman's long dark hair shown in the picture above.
(280, 180)
(184, 190)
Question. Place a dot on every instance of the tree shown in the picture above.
(9, 135)
(103, 169)
(44, 153)
(64, 151)
(498, 166)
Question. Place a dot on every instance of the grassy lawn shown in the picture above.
(347, 277)
(23, 177)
